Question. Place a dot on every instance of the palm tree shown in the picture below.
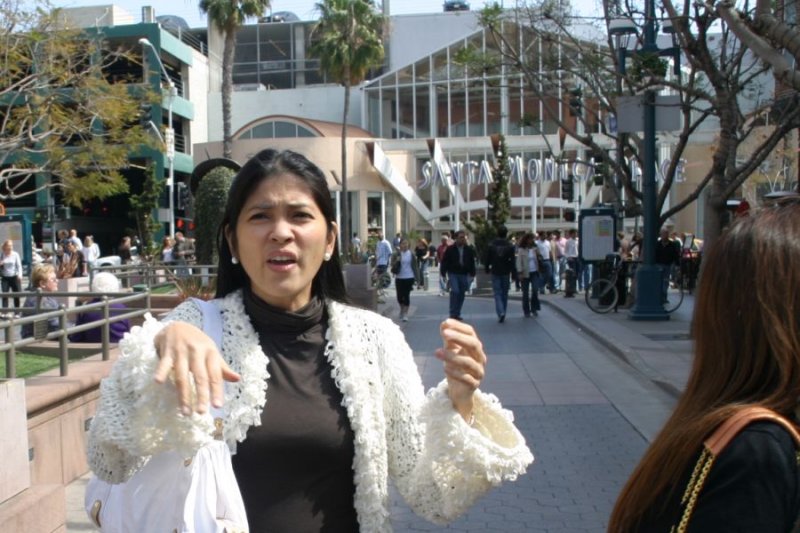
(348, 42)
(228, 16)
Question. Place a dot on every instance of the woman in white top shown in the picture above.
(91, 253)
(528, 274)
(166, 250)
(405, 268)
(12, 272)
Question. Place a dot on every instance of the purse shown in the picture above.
(396, 267)
(171, 493)
(715, 444)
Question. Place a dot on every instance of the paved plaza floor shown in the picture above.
(588, 391)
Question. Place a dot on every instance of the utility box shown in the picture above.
(17, 228)
(597, 230)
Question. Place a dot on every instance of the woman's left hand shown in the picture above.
(464, 363)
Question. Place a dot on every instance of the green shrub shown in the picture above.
(209, 206)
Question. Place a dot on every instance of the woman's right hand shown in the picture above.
(183, 349)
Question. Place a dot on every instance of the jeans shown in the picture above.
(442, 282)
(530, 294)
(561, 263)
(459, 285)
(546, 275)
(500, 286)
(586, 273)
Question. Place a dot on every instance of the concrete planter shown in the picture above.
(357, 279)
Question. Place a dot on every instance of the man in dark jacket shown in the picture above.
(458, 267)
(668, 254)
(500, 264)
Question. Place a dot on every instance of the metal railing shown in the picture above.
(150, 275)
(39, 319)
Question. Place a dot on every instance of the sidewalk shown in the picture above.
(661, 351)
(588, 414)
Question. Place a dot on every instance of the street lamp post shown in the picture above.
(649, 277)
(169, 135)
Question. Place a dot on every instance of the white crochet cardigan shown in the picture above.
(438, 463)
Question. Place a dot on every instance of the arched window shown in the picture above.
(277, 129)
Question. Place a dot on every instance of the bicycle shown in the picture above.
(380, 281)
(603, 294)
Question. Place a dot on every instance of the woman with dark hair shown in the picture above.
(323, 402)
(528, 274)
(746, 328)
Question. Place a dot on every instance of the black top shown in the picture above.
(500, 258)
(458, 260)
(751, 487)
(667, 252)
(295, 469)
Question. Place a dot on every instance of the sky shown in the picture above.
(304, 9)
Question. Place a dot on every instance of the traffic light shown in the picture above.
(145, 115)
(575, 101)
(182, 196)
(568, 189)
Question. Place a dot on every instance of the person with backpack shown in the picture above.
(500, 263)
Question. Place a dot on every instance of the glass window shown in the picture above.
(494, 108)
(476, 112)
(440, 66)
(373, 112)
(458, 110)
(442, 119)
(285, 129)
(422, 70)
(423, 128)
(245, 53)
(264, 131)
(405, 122)
(305, 132)
(404, 75)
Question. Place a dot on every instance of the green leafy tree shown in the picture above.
(228, 16)
(209, 205)
(484, 228)
(720, 86)
(61, 119)
(143, 205)
(348, 40)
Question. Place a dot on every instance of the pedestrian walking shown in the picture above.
(383, 254)
(405, 267)
(340, 413)
(527, 266)
(11, 272)
(458, 267)
(446, 242)
(545, 264)
(726, 460)
(500, 263)
(422, 254)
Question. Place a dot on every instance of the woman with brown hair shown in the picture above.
(747, 354)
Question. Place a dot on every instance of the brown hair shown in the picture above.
(746, 327)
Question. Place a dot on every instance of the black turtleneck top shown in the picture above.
(295, 470)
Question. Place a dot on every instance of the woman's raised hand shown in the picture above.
(185, 349)
(464, 363)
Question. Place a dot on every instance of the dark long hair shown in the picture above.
(329, 280)
(746, 327)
